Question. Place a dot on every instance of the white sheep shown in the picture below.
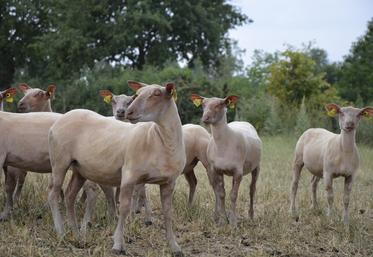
(117, 153)
(27, 142)
(327, 155)
(234, 150)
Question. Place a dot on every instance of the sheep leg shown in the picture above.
(219, 190)
(91, 194)
(148, 209)
(346, 198)
(55, 187)
(110, 198)
(21, 176)
(314, 181)
(141, 201)
(297, 168)
(328, 181)
(126, 192)
(166, 199)
(72, 191)
(192, 181)
(10, 184)
(117, 193)
(135, 200)
(236, 181)
(254, 178)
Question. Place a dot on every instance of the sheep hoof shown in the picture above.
(178, 254)
(4, 217)
(148, 223)
(119, 251)
(138, 211)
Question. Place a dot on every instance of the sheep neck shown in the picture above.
(46, 107)
(347, 140)
(220, 131)
(169, 129)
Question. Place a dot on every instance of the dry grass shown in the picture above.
(272, 233)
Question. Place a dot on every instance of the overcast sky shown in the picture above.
(332, 24)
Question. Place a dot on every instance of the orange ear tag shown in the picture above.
(197, 102)
(107, 99)
(9, 98)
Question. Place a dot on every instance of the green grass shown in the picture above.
(272, 233)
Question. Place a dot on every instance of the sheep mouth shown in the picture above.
(134, 119)
(349, 129)
(120, 116)
(22, 109)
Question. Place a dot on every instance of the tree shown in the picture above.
(356, 76)
(294, 77)
(20, 23)
(135, 33)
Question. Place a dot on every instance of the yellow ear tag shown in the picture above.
(174, 94)
(197, 102)
(231, 105)
(107, 99)
(9, 98)
(332, 112)
(366, 114)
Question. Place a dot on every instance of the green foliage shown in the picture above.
(63, 37)
(303, 122)
(273, 124)
(356, 76)
(295, 76)
(20, 23)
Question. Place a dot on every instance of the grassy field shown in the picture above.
(272, 232)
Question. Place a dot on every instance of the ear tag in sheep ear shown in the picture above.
(174, 94)
(197, 102)
(366, 114)
(9, 98)
(332, 112)
(107, 99)
(231, 105)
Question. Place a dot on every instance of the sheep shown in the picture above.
(31, 140)
(34, 100)
(196, 140)
(7, 96)
(131, 154)
(234, 150)
(119, 105)
(327, 155)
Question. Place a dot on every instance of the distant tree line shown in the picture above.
(84, 46)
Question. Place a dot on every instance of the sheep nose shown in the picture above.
(205, 119)
(350, 124)
(120, 111)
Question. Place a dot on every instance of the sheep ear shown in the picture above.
(196, 99)
(23, 87)
(332, 109)
(107, 95)
(50, 90)
(231, 101)
(9, 93)
(366, 112)
(135, 85)
(171, 90)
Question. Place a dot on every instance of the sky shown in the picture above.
(332, 25)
